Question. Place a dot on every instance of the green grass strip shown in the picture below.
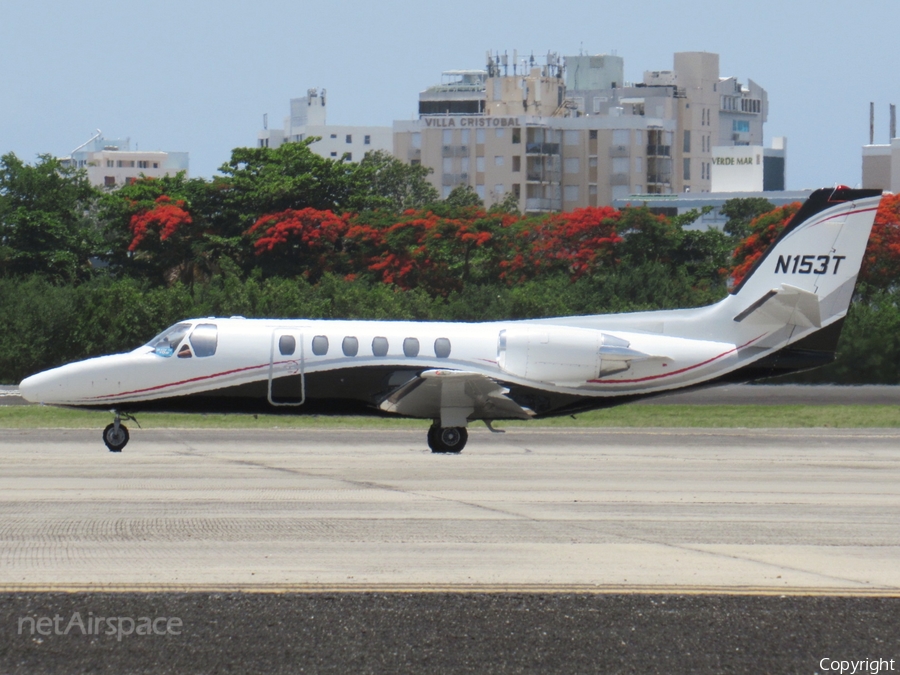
(700, 416)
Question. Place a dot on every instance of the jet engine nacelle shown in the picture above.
(557, 355)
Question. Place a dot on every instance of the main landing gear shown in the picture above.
(447, 440)
(115, 435)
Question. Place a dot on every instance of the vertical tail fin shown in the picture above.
(808, 275)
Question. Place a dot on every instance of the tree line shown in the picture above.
(283, 232)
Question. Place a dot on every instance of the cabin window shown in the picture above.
(442, 348)
(380, 346)
(287, 345)
(350, 346)
(320, 345)
(165, 343)
(185, 351)
(204, 339)
(411, 347)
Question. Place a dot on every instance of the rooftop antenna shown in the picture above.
(871, 123)
(265, 120)
(515, 60)
(893, 121)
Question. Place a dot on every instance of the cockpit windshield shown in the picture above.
(165, 343)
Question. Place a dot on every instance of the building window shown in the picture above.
(620, 165)
(446, 191)
(464, 165)
(447, 165)
(517, 163)
(447, 136)
(592, 162)
(479, 135)
(109, 181)
(479, 164)
(415, 140)
(479, 190)
(155, 165)
(334, 135)
(517, 190)
(498, 160)
(349, 138)
(320, 345)
(334, 154)
(499, 133)
(592, 134)
(411, 347)
(572, 165)
(379, 346)
(621, 137)
(687, 140)
(143, 164)
(741, 126)
(464, 136)
(349, 156)
(570, 193)
(110, 164)
(516, 135)
(592, 189)
(639, 164)
(571, 137)
(367, 140)
(498, 190)
(687, 169)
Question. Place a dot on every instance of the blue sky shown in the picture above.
(198, 75)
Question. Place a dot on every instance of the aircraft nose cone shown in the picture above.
(46, 387)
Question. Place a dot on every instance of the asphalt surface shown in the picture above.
(453, 633)
(535, 551)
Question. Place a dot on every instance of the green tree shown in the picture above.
(46, 224)
(741, 212)
(384, 181)
(261, 181)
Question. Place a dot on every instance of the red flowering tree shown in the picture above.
(764, 230)
(308, 242)
(163, 220)
(881, 266)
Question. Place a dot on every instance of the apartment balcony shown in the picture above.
(659, 150)
(543, 176)
(414, 154)
(542, 205)
(542, 148)
(619, 179)
(454, 151)
(455, 179)
(620, 151)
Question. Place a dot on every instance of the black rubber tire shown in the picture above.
(115, 442)
(447, 440)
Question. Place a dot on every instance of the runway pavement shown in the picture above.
(702, 509)
(609, 550)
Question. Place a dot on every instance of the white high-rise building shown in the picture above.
(112, 162)
(308, 119)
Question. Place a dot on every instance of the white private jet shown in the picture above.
(786, 315)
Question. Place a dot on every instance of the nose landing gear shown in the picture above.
(115, 435)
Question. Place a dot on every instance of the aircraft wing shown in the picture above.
(452, 396)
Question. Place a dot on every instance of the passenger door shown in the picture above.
(286, 380)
